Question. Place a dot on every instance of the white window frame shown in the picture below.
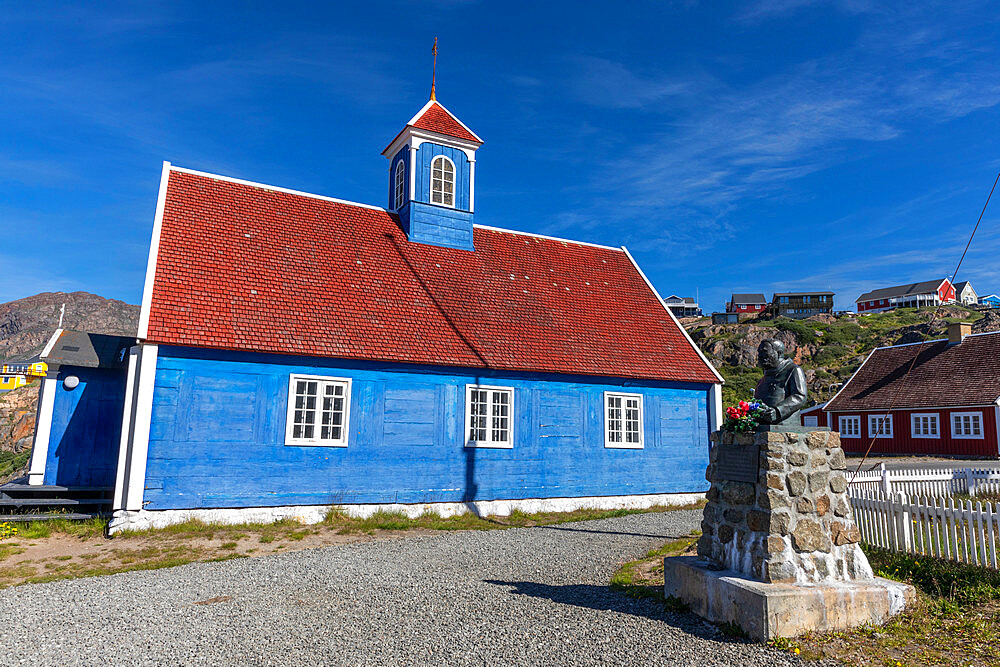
(290, 415)
(810, 420)
(853, 419)
(932, 417)
(490, 443)
(443, 192)
(399, 185)
(608, 443)
(975, 414)
(871, 425)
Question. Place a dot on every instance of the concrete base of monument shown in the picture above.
(765, 611)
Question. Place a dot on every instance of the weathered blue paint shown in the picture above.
(218, 430)
(463, 171)
(86, 427)
(436, 225)
(429, 223)
(401, 156)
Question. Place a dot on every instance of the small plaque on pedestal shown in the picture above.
(737, 463)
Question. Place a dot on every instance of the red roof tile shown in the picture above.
(243, 267)
(944, 375)
(437, 119)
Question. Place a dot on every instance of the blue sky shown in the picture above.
(758, 146)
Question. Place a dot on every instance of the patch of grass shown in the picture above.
(10, 549)
(946, 580)
(11, 463)
(956, 618)
(468, 521)
(35, 530)
(228, 545)
(643, 578)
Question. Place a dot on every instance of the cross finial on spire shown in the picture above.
(434, 50)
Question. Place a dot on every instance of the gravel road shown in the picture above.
(531, 596)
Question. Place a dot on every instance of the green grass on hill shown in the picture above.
(841, 345)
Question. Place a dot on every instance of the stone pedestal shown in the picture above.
(793, 524)
(765, 611)
(778, 528)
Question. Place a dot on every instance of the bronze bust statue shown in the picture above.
(783, 388)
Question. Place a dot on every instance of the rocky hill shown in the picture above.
(25, 326)
(829, 348)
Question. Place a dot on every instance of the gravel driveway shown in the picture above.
(526, 596)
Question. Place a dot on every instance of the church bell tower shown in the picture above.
(432, 175)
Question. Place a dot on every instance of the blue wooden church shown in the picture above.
(297, 351)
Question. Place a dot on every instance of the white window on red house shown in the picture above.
(967, 425)
(925, 425)
(488, 420)
(880, 426)
(622, 420)
(850, 426)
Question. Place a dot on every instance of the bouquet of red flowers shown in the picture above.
(743, 417)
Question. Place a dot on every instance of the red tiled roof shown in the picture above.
(243, 267)
(943, 375)
(437, 119)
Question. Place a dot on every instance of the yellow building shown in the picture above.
(16, 374)
(8, 382)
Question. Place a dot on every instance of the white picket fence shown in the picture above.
(931, 483)
(965, 531)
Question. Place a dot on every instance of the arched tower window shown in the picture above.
(442, 181)
(400, 184)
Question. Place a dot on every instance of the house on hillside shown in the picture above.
(799, 305)
(683, 306)
(943, 394)
(965, 295)
(746, 304)
(297, 351)
(914, 295)
(14, 374)
(990, 301)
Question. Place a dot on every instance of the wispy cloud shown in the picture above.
(722, 145)
(765, 9)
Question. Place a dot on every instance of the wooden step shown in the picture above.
(50, 502)
(53, 488)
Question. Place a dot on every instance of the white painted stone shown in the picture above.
(309, 514)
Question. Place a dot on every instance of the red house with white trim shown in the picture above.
(752, 304)
(914, 295)
(944, 397)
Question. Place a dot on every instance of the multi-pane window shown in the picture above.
(488, 416)
(318, 411)
(925, 425)
(850, 427)
(880, 426)
(622, 420)
(400, 184)
(442, 181)
(966, 425)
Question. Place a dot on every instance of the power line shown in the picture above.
(919, 348)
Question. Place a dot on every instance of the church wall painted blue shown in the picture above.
(86, 428)
(463, 170)
(218, 432)
(434, 224)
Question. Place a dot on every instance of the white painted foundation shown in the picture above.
(306, 514)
